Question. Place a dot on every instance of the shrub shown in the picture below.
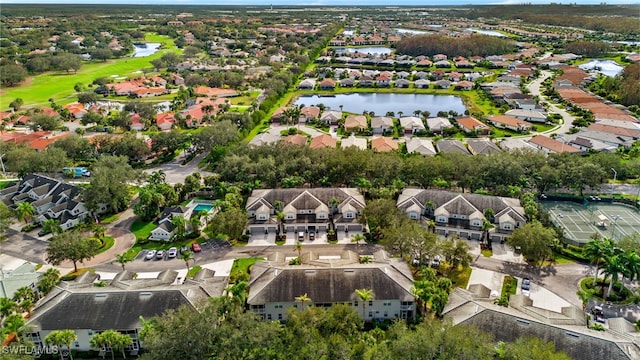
(295, 261)
(597, 327)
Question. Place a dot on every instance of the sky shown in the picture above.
(319, 2)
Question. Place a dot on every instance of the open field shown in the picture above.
(580, 222)
(59, 85)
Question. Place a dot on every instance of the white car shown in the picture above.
(150, 255)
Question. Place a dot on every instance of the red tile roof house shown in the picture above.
(136, 123)
(384, 144)
(355, 123)
(509, 122)
(464, 85)
(550, 145)
(383, 80)
(323, 140)
(327, 84)
(165, 121)
(469, 124)
(76, 109)
(193, 116)
(309, 113)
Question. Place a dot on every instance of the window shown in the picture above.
(261, 217)
(370, 313)
(278, 306)
(355, 303)
(268, 316)
(386, 314)
(413, 216)
(370, 303)
(348, 215)
(279, 316)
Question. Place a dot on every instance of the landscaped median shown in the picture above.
(509, 287)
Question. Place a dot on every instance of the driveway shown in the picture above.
(175, 172)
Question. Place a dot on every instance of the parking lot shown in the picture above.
(208, 246)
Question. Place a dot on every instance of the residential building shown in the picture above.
(315, 209)
(358, 142)
(482, 147)
(307, 84)
(470, 124)
(550, 145)
(274, 285)
(412, 124)
(309, 113)
(463, 214)
(381, 124)
(51, 199)
(331, 117)
(451, 146)
(383, 144)
(537, 116)
(437, 124)
(15, 274)
(423, 147)
(88, 310)
(355, 123)
(327, 84)
(565, 328)
(509, 122)
(296, 139)
(323, 140)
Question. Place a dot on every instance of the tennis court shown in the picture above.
(580, 222)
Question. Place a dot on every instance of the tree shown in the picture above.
(531, 348)
(5, 219)
(180, 226)
(44, 122)
(221, 133)
(7, 307)
(187, 257)
(48, 281)
(87, 97)
(62, 338)
(535, 241)
(380, 214)
(109, 184)
(231, 222)
(102, 54)
(122, 259)
(585, 296)
(112, 341)
(157, 177)
(12, 74)
(16, 104)
(25, 298)
(597, 250)
(52, 226)
(14, 324)
(25, 212)
(66, 62)
(486, 227)
(356, 239)
(71, 246)
(365, 296)
(299, 250)
(304, 298)
(614, 266)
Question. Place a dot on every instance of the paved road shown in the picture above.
(535, 88)
(175, 172)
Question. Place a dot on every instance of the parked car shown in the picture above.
(173, 252)
(598, 314)
(526, 286)
(43, 232)
(301, 236)
(196, 247)
(436, 261)
(183, 249)
(150, 255)
(160, 254)
(312, 236)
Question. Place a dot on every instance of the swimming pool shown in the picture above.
(203, 207)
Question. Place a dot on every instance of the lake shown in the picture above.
(380, 104)
(487, 32)
(373, 50)
(605, 67)
(411, 32)
(142, 50)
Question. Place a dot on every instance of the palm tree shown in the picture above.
(157, 177)
(333, 204)
(303, 299)
(431, 224)
(52, 226)
(585, 296)
(365, 295)
(186, 256)
(356, 239)
(122, 259)
(598, 250)
(111, 340)
(613, 268)
(299, 250)
(25, 212)
(14, 324)
(239, 291)
(179, 223)
(7, 307)
(486, 227)
(99, 231)
(60, 338)
(631, 261)
(430, 207)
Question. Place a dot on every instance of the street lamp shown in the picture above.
(4, 173)
(613, 228)
(615, 174)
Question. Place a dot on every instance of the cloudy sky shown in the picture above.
(319, 2)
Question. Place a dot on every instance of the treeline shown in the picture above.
(622, 89)
(384, 174)
(587, 48)
(475, 44)
(315, 333)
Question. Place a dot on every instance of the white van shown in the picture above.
(301, 236)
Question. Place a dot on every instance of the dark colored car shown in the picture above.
(196, 247)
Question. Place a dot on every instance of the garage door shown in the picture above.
(464, 235)
(475, 236)
(257, 230)
(340, 227)
(356, 227)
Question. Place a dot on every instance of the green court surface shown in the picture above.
(580, 222)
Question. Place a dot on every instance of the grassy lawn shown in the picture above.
(509, 286)
(59, 85)
(487, 253)
(107, 243)
(241, 269)
(109, 219)
(460, 276)
(193, 271)
(245, 100)
(4, 184)
(142, 229)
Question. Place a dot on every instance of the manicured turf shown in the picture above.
(142, 229)
(59, 85)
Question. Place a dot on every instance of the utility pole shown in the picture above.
(4, 172)
(615, 174)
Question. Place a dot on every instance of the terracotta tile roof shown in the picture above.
(470, 123)
(552, 144)
(323, 140)
(296, 139)
(384, 144)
